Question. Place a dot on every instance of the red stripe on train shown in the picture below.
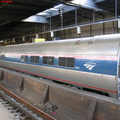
(62, 80)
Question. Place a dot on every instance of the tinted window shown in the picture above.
(48, 60)
(34, 59)
(2, 57)
(51, 60)
(61, 61)
(70, 62)
(67, 62)
(24, 58)
(44, 60)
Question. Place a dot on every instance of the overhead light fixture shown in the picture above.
(57, 6)
(1, 40)
(118, 23)
(79, 2)
(88, 4)
(23, 38)
(37, 36)
(78, 29)
(52, 34)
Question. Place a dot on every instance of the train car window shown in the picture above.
(34, 59)
(66, 62)
(61, 61)
(2, 57)
(44, 61)
(70, 62)
(24, 58)
(48, 60)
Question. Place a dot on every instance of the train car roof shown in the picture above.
(101, 38)
(98, 45)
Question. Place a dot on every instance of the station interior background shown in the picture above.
(57, 20)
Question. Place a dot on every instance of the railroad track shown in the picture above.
(53, 100)
(23, 109)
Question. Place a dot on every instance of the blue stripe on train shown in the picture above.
(86, 65)
(98, 66)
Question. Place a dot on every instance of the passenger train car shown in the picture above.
(90, 63)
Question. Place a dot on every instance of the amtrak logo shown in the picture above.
(90, 66)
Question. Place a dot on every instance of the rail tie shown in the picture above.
(24, 105)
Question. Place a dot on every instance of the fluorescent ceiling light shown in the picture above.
(80, 2)
(48, 11)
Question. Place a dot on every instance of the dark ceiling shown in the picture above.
(11, 14)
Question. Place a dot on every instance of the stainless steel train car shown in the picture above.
(90, 63)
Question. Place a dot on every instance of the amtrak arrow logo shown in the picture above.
(90, 66)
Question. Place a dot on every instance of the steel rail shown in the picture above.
(28, 105)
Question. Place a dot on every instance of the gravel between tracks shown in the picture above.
(5, 114)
